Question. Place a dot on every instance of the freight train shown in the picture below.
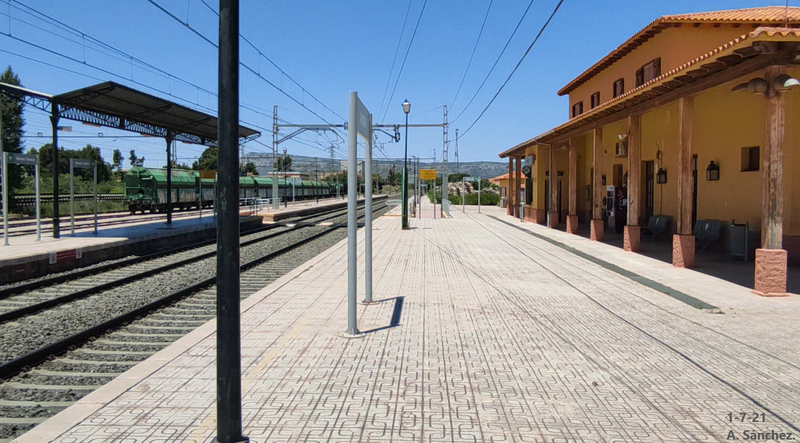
(146, 189)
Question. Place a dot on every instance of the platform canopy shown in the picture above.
(117, 106)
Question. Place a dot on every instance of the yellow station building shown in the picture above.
(694, 118)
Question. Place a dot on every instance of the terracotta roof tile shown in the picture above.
(763, 15)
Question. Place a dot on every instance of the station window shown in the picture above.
(619, 87)
(596, 99)
(577, 109)
(751, 158)
(648, 72)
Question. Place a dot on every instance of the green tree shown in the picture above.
(116, 161)
(248, 168)
(208, 159)
(282, 164)
(134, 159)
(12, 124)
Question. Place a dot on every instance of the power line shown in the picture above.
(257, 73)
(473, 53)
(524, 14)
(403, 65)
(394, 59)
(515, 67)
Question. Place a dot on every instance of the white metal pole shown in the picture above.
(5, 197)
(96, 206)
(200, 206)
(479, 195)
(38, 204)
(368, 217)
(352, 184)
(463, 193)
(71, 195)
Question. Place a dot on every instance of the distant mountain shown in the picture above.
(306, 164)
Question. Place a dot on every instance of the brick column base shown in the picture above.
(682, 250)
(596, 230)
(572, 224)
(771, 272)
(552, 222)
(632, 238)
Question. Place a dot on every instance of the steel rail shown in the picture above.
(40, 355)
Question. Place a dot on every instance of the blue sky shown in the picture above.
(331, 48)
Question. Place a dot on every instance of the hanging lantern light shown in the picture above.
(712, 172)
(661, 176)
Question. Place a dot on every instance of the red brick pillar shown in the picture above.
(771, 258)
(683, 240)
(633, 232)
(552, 216)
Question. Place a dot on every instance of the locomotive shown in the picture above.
(146, 189)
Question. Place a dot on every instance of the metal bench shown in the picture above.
(706, 232)
(657, 225)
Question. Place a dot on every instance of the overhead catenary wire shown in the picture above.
(515, 67)
(394, 59)
(405, 58)
(499, 56)
(474, 48)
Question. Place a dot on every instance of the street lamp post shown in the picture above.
(406, 109)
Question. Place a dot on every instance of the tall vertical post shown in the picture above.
(552, 211)
(54, 125)
(771, 259)
(5, 197)
(229, 383)
(404, 210)
(276, 202)
(597, 227)
(510, 187)
(572, 216)
(5, 181)
(95, 198)
(38, 202)
(169, 176)
(518, 188)
(683, 240)
(72, 196)
(419, 191)
(632, 233)
(463, 193)
(352, 201)
(368, 217)
(479, 195)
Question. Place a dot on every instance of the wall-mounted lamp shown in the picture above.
(661, 176)
(759, 85)
(604, 179)
(712, 172)
(623, 136)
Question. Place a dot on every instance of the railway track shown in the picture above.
(133, 332)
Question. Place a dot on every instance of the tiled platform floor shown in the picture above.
(502, 337)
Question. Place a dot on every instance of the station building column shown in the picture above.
(572, 217)
(596, 233)
(552, 211)
(771, 258)
(510, 187)
(683, 240)
(633, 232)
(517, 186)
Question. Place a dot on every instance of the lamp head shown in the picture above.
(406, 107)
(623, 136)
(783, 82)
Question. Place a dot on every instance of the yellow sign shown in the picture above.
(207, 174)
(427, 174)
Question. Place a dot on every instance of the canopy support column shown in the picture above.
(54, 123)
(597, 226)
(633, 232)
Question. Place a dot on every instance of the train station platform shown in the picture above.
(26, 258)
(481, 332)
